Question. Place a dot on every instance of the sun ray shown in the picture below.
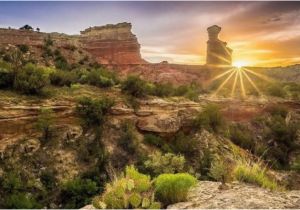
(242, 84)
(222, 75)
(234, 83)
(223, 83)
(259, 75)
(252, 83)
(220, 57)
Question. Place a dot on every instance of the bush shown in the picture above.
(184, 144)
(21, 201)
(158, 142)
(167, 163)
(77, 193)
(6, 78)
(31, 79)
(296, 164)
(278, 110)
(101, 78)
(60, 61)
(63, 78)
(220, 170)
(128, 139)
(284, 136)
(48, 179)
(44, 123)
(93, 111)
(23, 48)
(11, 182)
(173, 188)
(133, 190)
(205, 164)
(135, 86)
(210, 118)
(241, 136)
(276, 90)
(254, 173)
(163, 90)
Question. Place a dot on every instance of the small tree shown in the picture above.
(26, 27)
(38, 29)
(45, 122)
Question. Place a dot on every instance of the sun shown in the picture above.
(240, 64)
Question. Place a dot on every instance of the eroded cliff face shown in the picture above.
(112, 44)
(109, 44)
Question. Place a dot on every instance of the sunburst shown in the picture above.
(240, 75)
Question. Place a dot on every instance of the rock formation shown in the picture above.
(207, 195)
(217, 51)
(109, 44)
(112, 44)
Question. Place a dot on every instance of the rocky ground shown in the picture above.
(208, 195)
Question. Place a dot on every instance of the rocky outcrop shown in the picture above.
(112, 44)
(217, 51)
(207, 195)
(109, 44)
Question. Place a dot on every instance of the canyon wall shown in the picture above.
(109, 44)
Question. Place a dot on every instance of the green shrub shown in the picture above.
(158, 142)
(77, 193)
(173, 188)
(21, 201)
(220, 170)
(128, 139)
(48, 179)
(135, 86)
(278, 110)
(242, 137)
(254, 173)
(31, 79)
(6, 78)
(45, 122)
(11, 182)
(93, 111)
(48, 41)
(296, 164)
(184, 144)
(277, 90)
(167, 163)
(163, 90)
(23, 48)
(191, 91)
(210, 118)
(133, 190)
(63, 78)
(284, 135)
(205, 164)
(101, 78)
(60, 61)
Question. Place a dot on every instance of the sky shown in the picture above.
(260, 33)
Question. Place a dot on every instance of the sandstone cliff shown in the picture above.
(109, 44)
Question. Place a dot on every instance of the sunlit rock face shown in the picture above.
(217, 51)
(109, 44)
(112, 44)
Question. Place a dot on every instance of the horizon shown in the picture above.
(176, 31)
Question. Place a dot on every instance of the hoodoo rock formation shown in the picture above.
(109, 44)
(217, 51)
